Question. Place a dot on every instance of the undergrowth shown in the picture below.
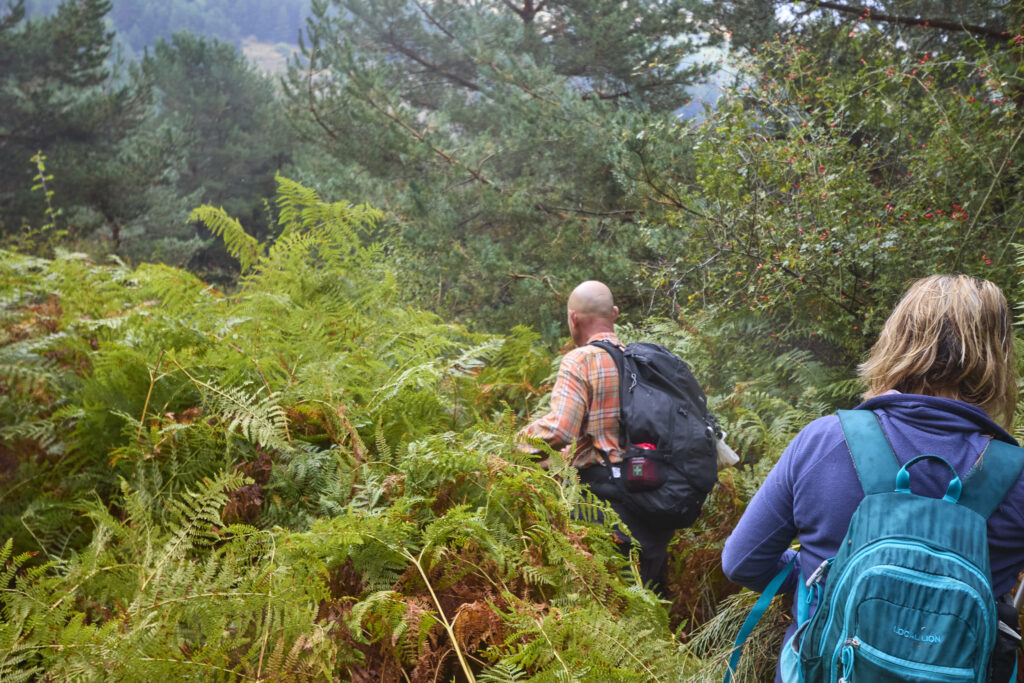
(305, 479)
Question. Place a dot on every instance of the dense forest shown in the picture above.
(266, 341)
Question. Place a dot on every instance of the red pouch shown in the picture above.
(641, 472)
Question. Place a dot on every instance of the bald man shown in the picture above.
(584, 414)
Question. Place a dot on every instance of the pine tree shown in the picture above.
(216, 127)
(58, 95)
(489, 129)
(917, 25)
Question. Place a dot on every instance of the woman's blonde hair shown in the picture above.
(948, 336)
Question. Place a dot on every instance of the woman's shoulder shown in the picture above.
(825, 431)
(816, 445)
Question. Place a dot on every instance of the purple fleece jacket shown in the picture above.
(812, 491)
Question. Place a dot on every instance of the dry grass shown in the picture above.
(712, 643)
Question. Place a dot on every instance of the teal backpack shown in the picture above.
(909, 593)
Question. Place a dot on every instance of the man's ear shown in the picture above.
(615, 313)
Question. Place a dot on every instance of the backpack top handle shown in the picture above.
(953, 490)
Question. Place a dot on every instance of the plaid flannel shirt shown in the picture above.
(584, 405)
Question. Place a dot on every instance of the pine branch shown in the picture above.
(868, 14)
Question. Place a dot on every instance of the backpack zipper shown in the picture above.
(934, 672)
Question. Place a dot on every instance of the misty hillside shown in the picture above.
(139, 23)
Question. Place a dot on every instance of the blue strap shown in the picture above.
(805, 597)
(992, 477)
(873, 457)
(953, 490)
(760, 607)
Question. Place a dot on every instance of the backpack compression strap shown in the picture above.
(985, 486)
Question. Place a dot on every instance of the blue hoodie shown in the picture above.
(812, 491)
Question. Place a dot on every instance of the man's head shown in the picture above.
(591, 311)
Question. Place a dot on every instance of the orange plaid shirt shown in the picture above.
(584, 405)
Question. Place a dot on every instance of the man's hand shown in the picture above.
(565, 452)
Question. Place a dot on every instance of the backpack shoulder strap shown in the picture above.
(873, 457)
(992, 477)
(615, 351)
(620, 358)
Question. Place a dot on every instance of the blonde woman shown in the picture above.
(941, 379)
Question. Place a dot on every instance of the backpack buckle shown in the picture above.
(818, 574)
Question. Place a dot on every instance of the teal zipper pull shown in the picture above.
(846, 657)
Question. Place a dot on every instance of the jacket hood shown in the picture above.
(937, 415)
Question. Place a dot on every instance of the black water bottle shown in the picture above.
(1003, 665)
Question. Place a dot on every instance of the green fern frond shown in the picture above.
(292, 198)
(15, 661)
(260, 420)
(503, 672)
(196, 513)
(379, 615)
(238, 242)
(10, 565)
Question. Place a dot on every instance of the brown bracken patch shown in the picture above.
(245, 503)
(696, 583)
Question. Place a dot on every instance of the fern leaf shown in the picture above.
(238, 242)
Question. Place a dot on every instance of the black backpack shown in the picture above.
(667, 438)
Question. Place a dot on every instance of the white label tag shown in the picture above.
(616, 473)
